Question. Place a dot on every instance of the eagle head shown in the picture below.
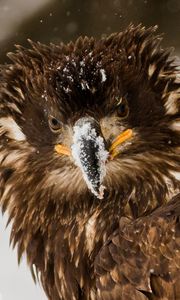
(89, 119)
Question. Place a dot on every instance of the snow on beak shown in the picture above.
(89, 153)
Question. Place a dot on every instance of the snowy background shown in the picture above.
(64, 20)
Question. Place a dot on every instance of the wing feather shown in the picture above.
(141, 259)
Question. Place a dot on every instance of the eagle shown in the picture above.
(90, 165)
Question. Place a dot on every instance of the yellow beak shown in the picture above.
(61, 149)
(120, 139)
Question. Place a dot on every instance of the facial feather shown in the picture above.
(12, 129)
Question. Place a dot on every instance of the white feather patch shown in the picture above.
(90, 230)
(176, 174)
(175, 125)
(13, 130)
(171, 104)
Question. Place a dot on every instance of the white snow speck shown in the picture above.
(73, 63)
(103, 74)
(70, 78)
(84, 85)
(65, 70)
(44, 95)
(82, 63)
(90, 54)
(81, 71)
(67, 90)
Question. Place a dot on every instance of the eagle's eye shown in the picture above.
(122, 108)
(54, 124)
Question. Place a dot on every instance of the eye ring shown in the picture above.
(122, 108)
(54, 124)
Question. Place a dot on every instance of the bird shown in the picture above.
(90, 165)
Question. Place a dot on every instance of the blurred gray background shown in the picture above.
(64, 20)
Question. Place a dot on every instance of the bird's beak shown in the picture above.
(89, 153)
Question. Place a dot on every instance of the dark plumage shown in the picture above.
(90, 166)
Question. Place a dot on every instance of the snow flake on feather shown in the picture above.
(83, 73)
(103, 74)
(84, 85)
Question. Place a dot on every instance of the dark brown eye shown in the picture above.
(122, 108)
(54, 124)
